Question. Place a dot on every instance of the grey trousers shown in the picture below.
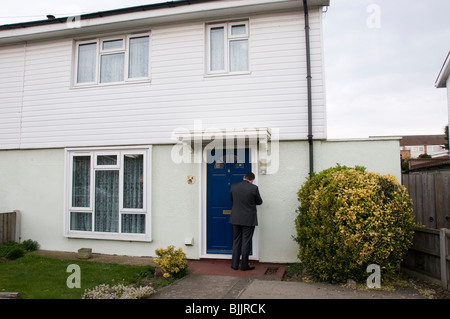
(242, 244)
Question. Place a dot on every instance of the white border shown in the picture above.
(203, 208)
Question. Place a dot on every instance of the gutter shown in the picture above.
(308, 78)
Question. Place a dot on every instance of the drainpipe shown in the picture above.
(308, 78)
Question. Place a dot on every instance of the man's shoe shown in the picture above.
(248, 268)
(235, 268)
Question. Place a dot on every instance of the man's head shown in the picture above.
(249, 177)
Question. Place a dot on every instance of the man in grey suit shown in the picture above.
(245, 196)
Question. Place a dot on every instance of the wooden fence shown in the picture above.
(429, 257)
(9, 227)
(430, 194)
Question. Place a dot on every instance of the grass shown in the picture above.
(38, 277)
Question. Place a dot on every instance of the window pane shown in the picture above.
(238, 29)
(80, 221)
(133, 181)
(107, 160)
(217, 50)
(81, 180)
(239, 55)
(133, 223)
(111, 67)
(138, 57)
(112, 44)
(107, 201)
(87, 57)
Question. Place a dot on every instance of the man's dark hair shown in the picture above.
(249, 176)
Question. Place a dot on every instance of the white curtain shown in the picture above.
(111, 67)
(81, 180)
(138, 57)
(133, 223)
(217, 51)
(107, 201)
(133, 193)
(238, 55)
(87, 57)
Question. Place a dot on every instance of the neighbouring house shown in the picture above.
(432, 145)
(412, 146)
(122, 130)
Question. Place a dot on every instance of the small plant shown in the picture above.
(30, 245)
(13, 250)
(172, 262)
(117, 292)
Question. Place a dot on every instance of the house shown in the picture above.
(443, 81)
(122, 130)
(417, 145)
(412, 146)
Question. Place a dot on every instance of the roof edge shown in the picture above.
(100, 14)
(444, 73)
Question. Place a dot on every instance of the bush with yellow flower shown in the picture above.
(172, 261)
(350, 218)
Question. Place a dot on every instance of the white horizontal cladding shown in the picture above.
(12, 68)
(44, 110)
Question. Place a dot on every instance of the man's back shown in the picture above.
(245, 196)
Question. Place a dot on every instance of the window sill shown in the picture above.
(101, 85)
(215, 75)
(109, 236)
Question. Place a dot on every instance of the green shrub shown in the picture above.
(13, 250)
(30, 245)
(349, 219)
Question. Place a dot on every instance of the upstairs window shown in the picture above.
(112, 60)
(227, 47)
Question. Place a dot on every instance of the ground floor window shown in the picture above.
(107, 193)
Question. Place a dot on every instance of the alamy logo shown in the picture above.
(74, 21)
(74, 280)
(374, 19)
(374, 280)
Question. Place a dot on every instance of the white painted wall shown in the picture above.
(32, 181)
(40, 108)
(279, 191)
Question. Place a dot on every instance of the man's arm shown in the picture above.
(258, 199)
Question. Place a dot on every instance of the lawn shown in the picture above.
(38, 277)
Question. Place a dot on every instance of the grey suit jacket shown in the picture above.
(245, 196)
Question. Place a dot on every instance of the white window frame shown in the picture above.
(100, 52)
(227, 38)
(70, 153)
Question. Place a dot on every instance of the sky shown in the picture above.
(382, 58)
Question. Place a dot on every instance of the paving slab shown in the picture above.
(265, 289)
(228, 287)
(204, 287)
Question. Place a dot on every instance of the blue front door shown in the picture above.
(223, 169)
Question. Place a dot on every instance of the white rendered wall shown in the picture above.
(32, 181)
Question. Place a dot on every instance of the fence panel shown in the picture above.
(8, 227)
(429, 256)
(430, 194)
